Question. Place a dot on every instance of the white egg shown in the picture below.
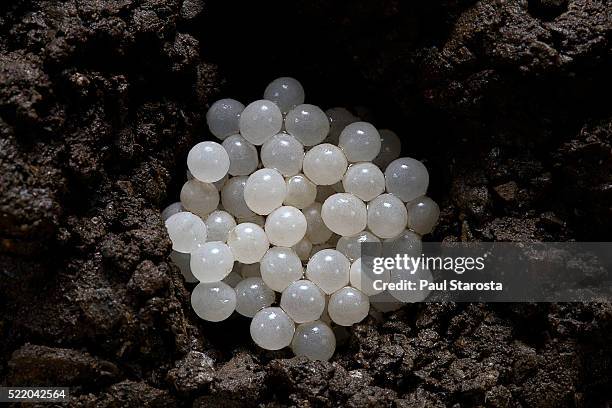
(344, 214)
(248, 242)
(259, 121)
(208, 161)
(186, 230)
(265, 191)
(272, 329)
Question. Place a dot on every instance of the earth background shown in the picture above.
(507, 103)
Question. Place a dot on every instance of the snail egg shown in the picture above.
(339, 118)
(242, 155)
(199, 198)
(252, 295)
(284, 153)
(223, 117)
(285, 226)
(407, 178)
(348, 306)
(211, 262)
(303, 301)
(308, 123)
(316, 230)
(423, 214)
(387, 216)
(364, 280)
(351, 246)
(259, 121)
(208, 161)
(272, 329)
(265, 191)
(280, 267)
(344, 214)
(315, 340)
(329, 270)
(325, 164)
(285, 92)
(248, 242)
(364, 180)
(398, 276)
(176, 208)
(213, 301)
(186, 230)
(232, 198)
(390, 148)
(360, 141)
(219, 224)
(303, 248)
(301, 192)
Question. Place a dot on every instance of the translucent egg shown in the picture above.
(301, 192)
(213, 301)
(344, 214)
(223, 117)
(364, 180)
(182, 262)
(175, 208)
(284, 153)
(199, 198)
(259, 121)
(351, 246)
(220, 183)
(232, 198)
(315, 340)
(348, 306)
(316, 230)
(285, 92)
(407, 178)
(272, 329)
(364, 280)
(387, 216)
(410, 296)
(303, 248)
(280, 267)
(248, 243)
(285, 226)
(208, 161)
(423, 214)
(407, 242)
(339, 118)
(249, 270)
(390, 148)
(329, 270)
(265, 191)
(308, 123)
(252, 295)
(211, 262)
(242, 155)
(186, 231)
(303, 301)
(360, 141)
(219, 224)
(325, 164)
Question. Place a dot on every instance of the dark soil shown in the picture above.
(507, 102)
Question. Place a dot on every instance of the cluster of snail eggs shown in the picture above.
(283, 205)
